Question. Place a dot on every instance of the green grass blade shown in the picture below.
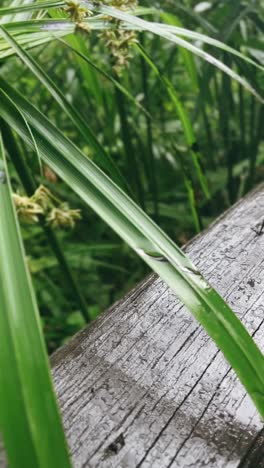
(198, 18)
(147, 239)
(205, 39)
(30, 420)
(18, 16)
(105, 75)
(188, 58)
(184, 118)
(35, 146)
(102, 158)
(173, 26)
(190, 192)
(31, 40)
(34, 6)
(160, 30)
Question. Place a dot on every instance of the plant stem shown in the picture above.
(255, 138)
(152, 165)
(132, 165)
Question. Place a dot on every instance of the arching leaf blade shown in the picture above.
(30, 420)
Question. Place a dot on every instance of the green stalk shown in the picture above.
(152, 164)
(30, 186)
(132, 165)
(209, 135)
(191, 193)
(256, 135)
(242, 122)
(144, 237)
(29, 416)
(225, 110)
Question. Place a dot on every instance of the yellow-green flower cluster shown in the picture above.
(117, 39)
(28, 211)
(78, 13)
(44, 203)
(63, 216)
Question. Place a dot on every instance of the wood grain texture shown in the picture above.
(144, 386)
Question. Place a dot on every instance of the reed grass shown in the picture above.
(128, 145)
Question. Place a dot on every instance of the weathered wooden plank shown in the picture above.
(145, 387)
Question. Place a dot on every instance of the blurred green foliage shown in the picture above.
(151, 152)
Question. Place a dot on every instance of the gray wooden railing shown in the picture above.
(144, 386)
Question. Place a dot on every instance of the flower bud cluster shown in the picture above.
(44, 203)
(117, 38)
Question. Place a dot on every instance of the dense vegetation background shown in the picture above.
(182, 182)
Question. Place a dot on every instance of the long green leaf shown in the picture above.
(160, 30)
(35, 146)
(18, 16)
(105, 75)
(29, 416)
(146, 238)
(35, 6)
(31, 40)
(136, 23)
(187, 56)
(101, 156)
(203, 38)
